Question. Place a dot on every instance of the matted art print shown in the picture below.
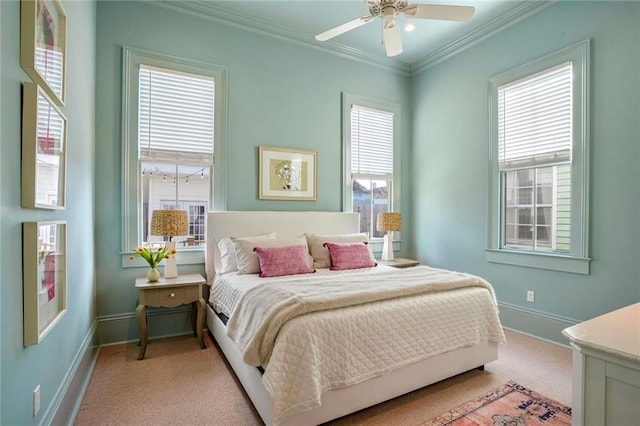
(287, 174)
(44, 265)
(44, 140)
(43, 41)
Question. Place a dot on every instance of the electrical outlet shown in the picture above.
(531, 296)
(36, 400)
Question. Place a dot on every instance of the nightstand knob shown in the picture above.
(173, 295)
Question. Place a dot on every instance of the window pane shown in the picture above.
(550, 188)
(525, 196)
(525, 177)
(525, 216)
(370, 197)
(525, 234)
(544, 216)
(543, 236)
(510, 231)
(182, 187)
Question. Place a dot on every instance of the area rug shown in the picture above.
(510, 404)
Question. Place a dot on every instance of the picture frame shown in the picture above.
(287, 174)
(43, 45)
(44, 139)
(44, 263)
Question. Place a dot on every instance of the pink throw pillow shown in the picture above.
(279, 261)
(349, 256)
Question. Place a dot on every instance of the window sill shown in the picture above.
(184, 257)
(553, 262)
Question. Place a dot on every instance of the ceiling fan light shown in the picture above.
(389, 17)
(409, 27)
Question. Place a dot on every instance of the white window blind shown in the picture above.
(176, 116)
(534, 119)
(50, 128)
(371, 142)
(49, 64)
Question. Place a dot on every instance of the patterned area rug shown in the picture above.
(510, 404)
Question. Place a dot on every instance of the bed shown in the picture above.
(327, 363)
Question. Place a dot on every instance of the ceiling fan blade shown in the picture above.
(340, 29)
(437, 11)
(392, 40)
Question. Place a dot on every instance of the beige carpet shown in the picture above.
(178, 383)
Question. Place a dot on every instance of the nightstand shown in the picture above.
(169, 293)
(399, 262)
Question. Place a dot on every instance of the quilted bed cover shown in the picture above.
(329, 349)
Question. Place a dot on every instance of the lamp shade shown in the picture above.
(170, 223)
(389, 222)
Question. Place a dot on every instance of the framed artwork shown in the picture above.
(287, 174)
(43, 44)
(44, 262)
(44, 148)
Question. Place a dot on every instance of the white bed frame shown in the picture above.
(339, 402)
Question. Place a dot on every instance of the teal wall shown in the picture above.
(450, 161)
(285, 94)
(52, 363)
(280, 93)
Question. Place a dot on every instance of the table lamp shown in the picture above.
(388, 222)
(170, 223)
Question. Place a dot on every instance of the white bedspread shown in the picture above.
(329, 349)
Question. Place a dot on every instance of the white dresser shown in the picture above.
(606, 369)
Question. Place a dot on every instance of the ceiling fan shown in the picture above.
(388, 11)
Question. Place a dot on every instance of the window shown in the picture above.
(175, 125)
(371, 159)
(539, 162)
(173, 145)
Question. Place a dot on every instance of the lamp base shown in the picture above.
(170, 265)
(387, 247)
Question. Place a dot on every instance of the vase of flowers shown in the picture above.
(153, 257)
(153, 275)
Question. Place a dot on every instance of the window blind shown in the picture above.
(176, 116)
(371, 142)
(49, 64)
(534, 119)
(50, 130)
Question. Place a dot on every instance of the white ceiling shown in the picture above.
(303, 19)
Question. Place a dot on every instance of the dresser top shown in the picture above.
(616, 332)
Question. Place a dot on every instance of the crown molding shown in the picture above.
(216, 12)
(517, 14)
(226, 16)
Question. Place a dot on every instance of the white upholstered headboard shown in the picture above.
(285, 224)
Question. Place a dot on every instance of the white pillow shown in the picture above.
(247, 259)
(320, 254)
(228, 254)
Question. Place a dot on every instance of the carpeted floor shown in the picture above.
(178, 383)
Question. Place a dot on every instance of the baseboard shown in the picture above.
(113, 329)
(534, 323)
(68, 398)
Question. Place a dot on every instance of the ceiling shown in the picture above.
(303, 19)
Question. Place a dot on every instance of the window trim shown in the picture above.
(131, 218)
(577, 261)
(349, 99)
